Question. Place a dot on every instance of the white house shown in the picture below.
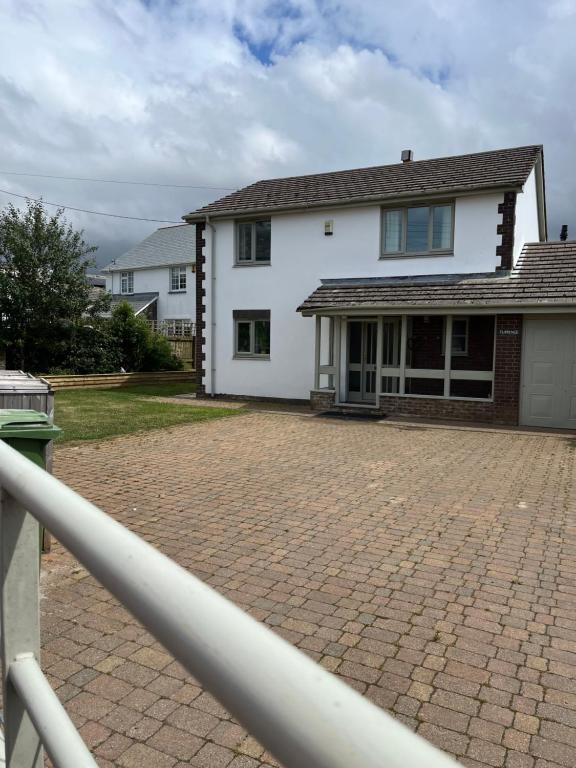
(420, 288)
(157, 278)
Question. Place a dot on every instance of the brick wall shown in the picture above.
(322, 399)
(508, 368)
(505, 407)
(200, 355)
(505, 250)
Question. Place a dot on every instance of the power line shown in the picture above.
(84, 210)
(116, 181)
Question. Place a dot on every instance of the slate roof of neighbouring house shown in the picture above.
(163, 248)
(545, 275)
(502, 168)
(138, 301)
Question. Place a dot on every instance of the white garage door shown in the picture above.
(549, 372)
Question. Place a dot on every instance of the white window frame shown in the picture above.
(252, 354)
(127, 283)
(178, 272)
(251, 262)
(446, 374)
(403, 210)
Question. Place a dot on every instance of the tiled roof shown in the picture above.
(163, 248)
(138, 301)
(503, 168)
(545, 275)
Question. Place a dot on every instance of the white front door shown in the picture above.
(549, 372)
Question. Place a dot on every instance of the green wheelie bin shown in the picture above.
(30, 433)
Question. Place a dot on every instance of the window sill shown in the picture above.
(182, 290)
(440, 397)
(421, 255)
(251, 357)
(253, 264)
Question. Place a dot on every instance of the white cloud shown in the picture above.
(223, 93)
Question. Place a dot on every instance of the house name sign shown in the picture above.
(507, 332)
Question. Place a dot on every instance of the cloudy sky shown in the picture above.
(218, 93)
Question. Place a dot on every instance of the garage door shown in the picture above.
(549, 372)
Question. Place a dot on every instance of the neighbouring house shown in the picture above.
(97, 282)
(421, 288)
(156, 278)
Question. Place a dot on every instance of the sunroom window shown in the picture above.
(418, 230)
(460, 336)
(415, 362)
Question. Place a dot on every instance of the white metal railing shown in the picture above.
(303, 714)
(184, 329)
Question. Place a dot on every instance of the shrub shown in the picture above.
(129, 334)
(137, 346)
(105, 345)
(92, 349)
(159, 355)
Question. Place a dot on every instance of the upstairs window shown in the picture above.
(252, 333)
(177, 278)
(127, 282)
(418, 230)
(253, 242)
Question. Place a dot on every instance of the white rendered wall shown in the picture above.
(301, 256)
(526, 229)
(171, 306)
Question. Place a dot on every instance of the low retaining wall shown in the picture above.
(119, 379)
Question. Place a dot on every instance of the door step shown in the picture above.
(362, 413)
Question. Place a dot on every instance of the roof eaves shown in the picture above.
(199, 216)
(135, 267)
(430, 307)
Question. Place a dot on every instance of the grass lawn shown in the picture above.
(96, 414)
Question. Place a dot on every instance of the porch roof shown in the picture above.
(545, 275)
(138, 301)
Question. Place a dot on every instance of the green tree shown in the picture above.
(44, 292)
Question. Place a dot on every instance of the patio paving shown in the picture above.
(431, 569)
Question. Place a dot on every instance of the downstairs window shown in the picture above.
(251, 333)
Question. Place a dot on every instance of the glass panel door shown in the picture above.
(362, 341)
(355, 361)
(370, 336)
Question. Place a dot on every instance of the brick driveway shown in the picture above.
(432, 569)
